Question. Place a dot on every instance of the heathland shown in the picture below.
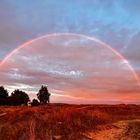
(70, 122)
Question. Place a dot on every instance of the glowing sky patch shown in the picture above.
(75, 65)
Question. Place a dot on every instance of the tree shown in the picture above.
(18, 97)
(3, 93)
(3, 96)
(35, 102)
(43, 95)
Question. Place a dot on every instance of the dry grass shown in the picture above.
(66, 122)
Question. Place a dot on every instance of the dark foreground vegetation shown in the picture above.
(70, 122)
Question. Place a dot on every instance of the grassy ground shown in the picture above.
(70, 122)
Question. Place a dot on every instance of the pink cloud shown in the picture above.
(82, 69)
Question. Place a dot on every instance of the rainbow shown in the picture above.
(78, 35)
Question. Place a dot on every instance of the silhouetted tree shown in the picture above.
(43, 95)
(35, 102)
(3, 93)
(3, 96)
(18, 97)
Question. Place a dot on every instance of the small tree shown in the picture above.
(19, 97)
(3, 93)
(43, 95)
(3, 96)
(35, 102)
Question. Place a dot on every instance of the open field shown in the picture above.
(70, 122)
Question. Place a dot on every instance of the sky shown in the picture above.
(114, 22)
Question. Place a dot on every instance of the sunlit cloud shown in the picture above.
(81, 69)
(115, 22)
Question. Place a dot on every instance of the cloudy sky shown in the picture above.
(76, 74)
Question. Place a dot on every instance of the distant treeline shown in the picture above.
(19, 97)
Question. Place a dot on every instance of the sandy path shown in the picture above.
(123, 130)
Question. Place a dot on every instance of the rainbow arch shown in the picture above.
(78, 35)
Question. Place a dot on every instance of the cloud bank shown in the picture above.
(75, 68)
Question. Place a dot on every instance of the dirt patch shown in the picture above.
(122, 130)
